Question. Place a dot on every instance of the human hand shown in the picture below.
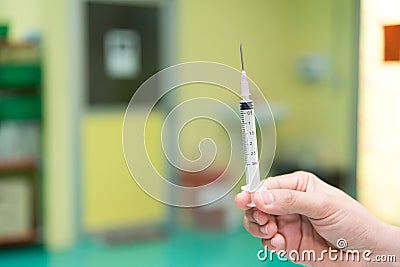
(301, 212)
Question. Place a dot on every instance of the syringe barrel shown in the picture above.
(250, 147)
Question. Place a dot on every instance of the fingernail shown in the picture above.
(264, 230)
(272, 242)
(267, 197)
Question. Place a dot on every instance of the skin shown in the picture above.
(301, 212)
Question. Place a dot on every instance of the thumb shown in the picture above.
(285, 201)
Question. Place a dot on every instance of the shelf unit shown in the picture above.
(20, 145)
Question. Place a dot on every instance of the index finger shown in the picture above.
(299, 181)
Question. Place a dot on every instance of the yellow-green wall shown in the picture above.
(111, 198)
(275, 33)
(59, 128)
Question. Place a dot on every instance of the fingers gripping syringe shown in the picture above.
(249, 137)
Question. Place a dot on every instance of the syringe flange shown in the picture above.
(247, 189)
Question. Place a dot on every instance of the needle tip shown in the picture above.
(241, 56)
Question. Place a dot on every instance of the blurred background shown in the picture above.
(68, 68)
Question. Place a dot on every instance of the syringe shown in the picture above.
(249, 137)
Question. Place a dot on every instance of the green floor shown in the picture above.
(181, 249)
